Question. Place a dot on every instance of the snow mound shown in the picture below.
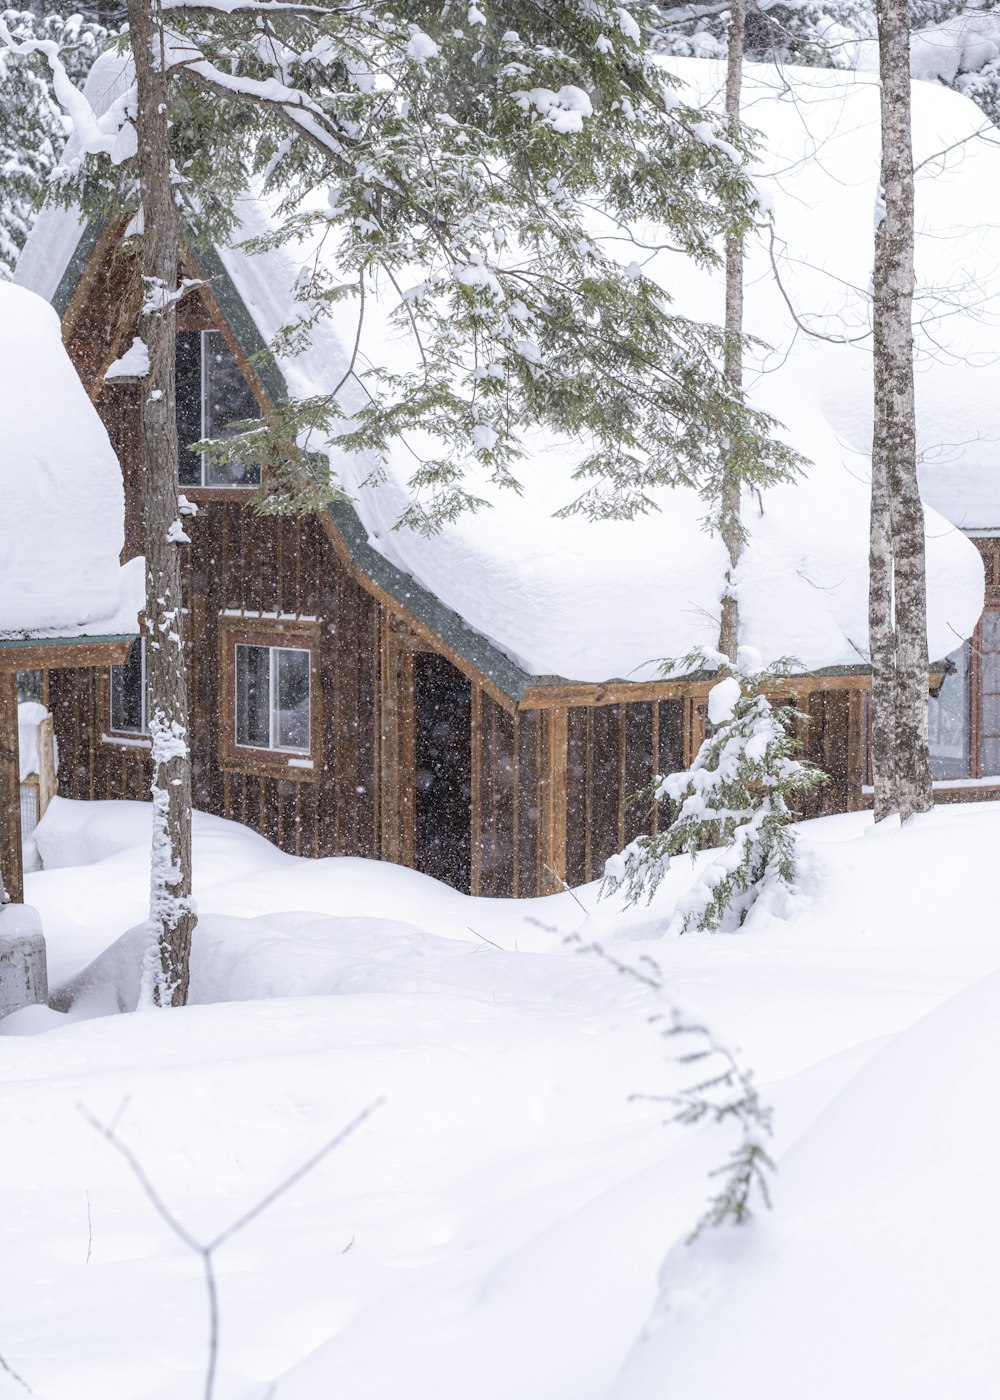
(879, 1260)
(60, 483)
(299, 955)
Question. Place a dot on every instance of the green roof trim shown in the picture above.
(32, 643)
(487, 658)
(75, 267)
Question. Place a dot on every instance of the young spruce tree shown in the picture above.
(739, 793)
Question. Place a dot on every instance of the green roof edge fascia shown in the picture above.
(487, 658)
(74, 268)
(30, 643)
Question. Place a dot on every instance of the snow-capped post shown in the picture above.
(897, 614)
(730, 525)
(737, 794)
(171, 910)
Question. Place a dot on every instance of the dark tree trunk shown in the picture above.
(171, 911)
(730, 526)
(898, 601)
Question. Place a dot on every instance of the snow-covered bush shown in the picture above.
(739, 793)
(32, 126)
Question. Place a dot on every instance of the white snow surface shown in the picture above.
(498, 1228)
(592, 601)
(60, 483)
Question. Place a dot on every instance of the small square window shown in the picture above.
(130, 693)
(273, 700)
(212, 393)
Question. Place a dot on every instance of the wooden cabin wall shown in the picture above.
(834, 739)
(240, 562)
(614, 751)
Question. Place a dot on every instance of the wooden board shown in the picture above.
(11, 861)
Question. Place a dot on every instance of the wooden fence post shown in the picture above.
(11, 860)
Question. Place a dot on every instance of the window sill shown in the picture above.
(949, 784)
(128, 741)
(265, 763)
(200, 495)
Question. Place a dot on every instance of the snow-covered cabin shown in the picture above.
(65, 600)
(484, 704)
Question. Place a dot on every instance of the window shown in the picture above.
(273, 698)
(130, 693)
(212, 394)
(948, 720)
(29, 686)
(270, 696)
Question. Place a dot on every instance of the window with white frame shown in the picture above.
(273, 701)
(130, 693)
(212, 394)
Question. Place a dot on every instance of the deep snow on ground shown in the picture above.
(496, 1229)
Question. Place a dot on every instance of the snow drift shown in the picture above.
(60, 484)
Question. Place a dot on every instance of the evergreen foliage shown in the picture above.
(722, 1092)
(33, 128)
(739, 793)
(473, 170)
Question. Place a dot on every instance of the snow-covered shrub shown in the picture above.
(33, 129)
(739, 793)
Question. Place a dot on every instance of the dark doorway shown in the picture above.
(444, 771)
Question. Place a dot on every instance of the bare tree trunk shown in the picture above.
(898, 601)
(730, 526)
(171, 910)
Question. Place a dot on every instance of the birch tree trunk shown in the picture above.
(171, 910)
(898, 599)
(730, 525)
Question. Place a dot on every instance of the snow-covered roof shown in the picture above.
(61, 498)
(592, 601)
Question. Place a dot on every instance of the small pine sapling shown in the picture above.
(739, 793)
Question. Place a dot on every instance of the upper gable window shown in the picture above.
(211, 394)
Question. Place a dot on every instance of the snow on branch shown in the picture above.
(111, 134)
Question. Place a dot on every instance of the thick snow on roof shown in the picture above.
(591, 601)
(61, 499)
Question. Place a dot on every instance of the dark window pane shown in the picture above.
(253, 696)
(227, 400)
(126, 693)
(991, 714)
(29, 685)
(291, 693)
(990, 758)
(948, 721)
(991, 631)
(188, 405)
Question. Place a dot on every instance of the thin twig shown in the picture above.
(205, 1250)
(484, 938)
(5, 1366)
